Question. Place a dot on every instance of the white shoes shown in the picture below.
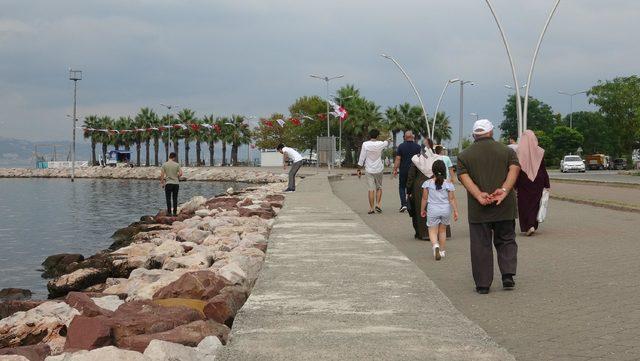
(530, 231)
(436, 252)
(442, 254)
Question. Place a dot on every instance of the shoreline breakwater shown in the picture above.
(167, 288)
(245, 175)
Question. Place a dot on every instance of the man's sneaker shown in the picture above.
(288, 190)
(482, 290)
(403, 209)
(442, 254)
(436, 253)
(508, 282)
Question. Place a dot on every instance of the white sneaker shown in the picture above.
(436, 252)
(403, 209)
(442, 254)
(530, 231)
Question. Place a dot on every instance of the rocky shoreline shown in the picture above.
(245, 175)
(168, 288)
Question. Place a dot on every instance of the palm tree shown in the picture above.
(223, 124)
(105, 138)
(211, 136)
(239, 134)
(91, 121)
(187, 117)
(442, 130)
(145, 119)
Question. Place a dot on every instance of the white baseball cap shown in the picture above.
(482, 127)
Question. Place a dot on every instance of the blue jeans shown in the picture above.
(402, 187)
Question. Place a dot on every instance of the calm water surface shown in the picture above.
(41, 217)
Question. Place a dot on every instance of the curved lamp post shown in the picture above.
(571, 95)
(327, 80)
(415, 90)
(533, 64)
(435, 115)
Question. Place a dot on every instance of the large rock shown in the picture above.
(31, 353)
(59, 264)
(124, 236)
(14, 294)
(87, 333)
(233, 273)
(8, 308)
(193, 260)
(46, 323)
(193, 205)
(224, 307)
(109, 353)
(169, 351)
(197, 305)
(208, 347)
(264, 213)
(111, 302)
(201, 285)
(76, 281)
(194, 235)
(225, 203)
(142, 284)
(188, 335)
(137, 318)
(85, 305)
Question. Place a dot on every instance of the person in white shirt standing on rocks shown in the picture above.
(296, 159)
(371, 160)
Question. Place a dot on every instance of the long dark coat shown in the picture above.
(415, 178)
(529, 194)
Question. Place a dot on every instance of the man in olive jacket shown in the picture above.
(488, 170)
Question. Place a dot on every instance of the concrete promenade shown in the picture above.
(333, 289)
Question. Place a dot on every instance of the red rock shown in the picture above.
(224, 307)
(225, 203)
(33, 353)
(263, 213)
(274, 198)
(85, 305)
(261, 246)
(145, 317)
(14, 294)
(8, 308)
(245, 202)
(189, 335)
(201, 285)
(87, 333)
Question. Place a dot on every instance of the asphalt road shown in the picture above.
(577, 285)
(598, 176)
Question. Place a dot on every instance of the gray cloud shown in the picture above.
(254, 57)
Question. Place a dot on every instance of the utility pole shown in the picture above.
(461, 125)
(74, 75)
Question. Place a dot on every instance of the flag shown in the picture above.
(295, 121)
(342, 113)
(280, 121)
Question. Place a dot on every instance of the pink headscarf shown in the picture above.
(530, 154)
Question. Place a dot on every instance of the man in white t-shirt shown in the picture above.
(371, 160)
(296, 159)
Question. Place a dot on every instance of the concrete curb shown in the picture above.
(593, 182)
(615, 207)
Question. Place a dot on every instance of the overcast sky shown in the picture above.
(253, 57)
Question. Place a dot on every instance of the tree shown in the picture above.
(540, 117)
(598, 135)
(211, 137)
(105, 138)
(224, 136)
(269, 134)
(306, 109)
(166, 121)
(566, 140)
(146, 119)
(186, 117)
(405, 117)
(545, 142)
(92, 122)
(239, 134)
(442, 130)
(619, 103)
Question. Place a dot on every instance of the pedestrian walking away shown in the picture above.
(419, 172)
(402, 163)
(441, 198)
(532, 180)
(371, 160)
(489, 170)
(450, 173)
(296, 162)
(170, 174)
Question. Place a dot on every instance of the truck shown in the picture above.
(598, 162)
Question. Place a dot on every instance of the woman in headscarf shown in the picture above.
(532, 180)
(420, 171)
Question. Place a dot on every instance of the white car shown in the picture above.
(572, 163)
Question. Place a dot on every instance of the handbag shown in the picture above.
(544, 205)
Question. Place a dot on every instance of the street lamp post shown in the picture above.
(340, 134)
(462, 83)
(475, 115)
(415, 90)
(327, 79)
(74, 75)
(571, 95)
(435, 115)
(169, 107)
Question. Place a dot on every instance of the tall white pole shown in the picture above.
(73, 152)
(415, 90)
(533, 64)
(513, 67)
(461, 116)
(435, 116)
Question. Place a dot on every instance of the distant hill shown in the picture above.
(20, 152)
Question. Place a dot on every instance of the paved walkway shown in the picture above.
(578, 280)
(332, 289)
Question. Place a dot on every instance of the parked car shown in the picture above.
(620, 164)
(572, 163)
(598, 161)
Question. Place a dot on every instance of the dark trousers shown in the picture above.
(503, 236)
(171, 193)
(402, 187)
